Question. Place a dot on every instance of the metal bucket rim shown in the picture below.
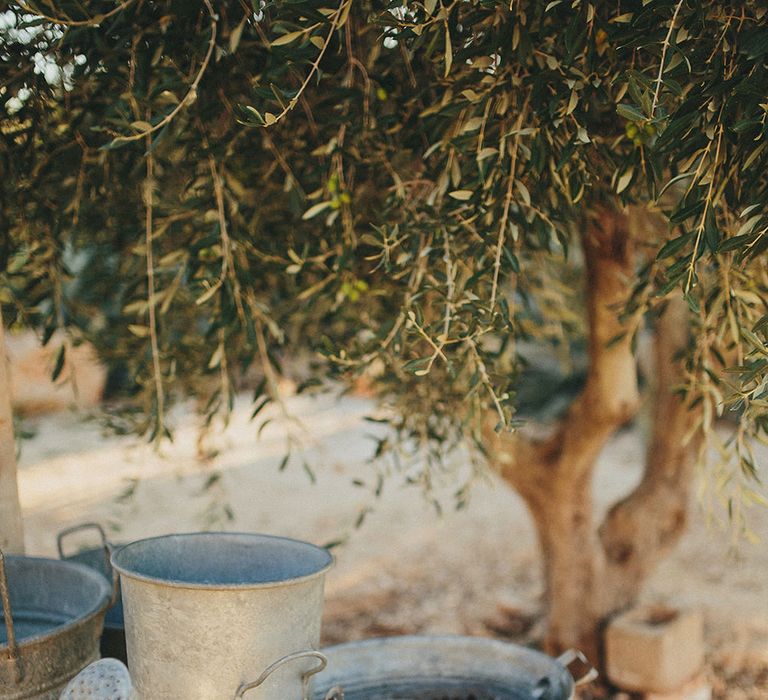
(175, 583)
(426, 642)
(427, 639)
(97, 609)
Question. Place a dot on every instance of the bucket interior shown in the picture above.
(47, 594)
(445, 689)
(440, 668)
(96, 559)
(221, 559)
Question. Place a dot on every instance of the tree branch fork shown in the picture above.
(592, 571)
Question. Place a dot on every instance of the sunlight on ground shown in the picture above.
(405, 569)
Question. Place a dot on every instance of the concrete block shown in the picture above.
(698, 688)
(654, 649)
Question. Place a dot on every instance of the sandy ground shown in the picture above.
(406, 569)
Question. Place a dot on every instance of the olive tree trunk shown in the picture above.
(11, 531)
(592, 570)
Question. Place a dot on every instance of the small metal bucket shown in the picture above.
(113, 636)
(52, 618)
(212, 616)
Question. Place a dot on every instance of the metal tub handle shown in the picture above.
(106, 546)
(79, 528)
(13, 649)
(323, 662)
(571, 655)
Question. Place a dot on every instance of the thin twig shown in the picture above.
(148, 194)
(450, 284)
(227, 261)
(315, 64)
(224, 372)
(486, 380)
(703, 222)
(191, 93)
(414, 282)
(58, 300)
(355, 63)
(507, 203)
(91, 22)
(667, 40)
(438, 350)
(280, 158)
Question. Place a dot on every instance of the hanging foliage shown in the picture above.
(198, 187)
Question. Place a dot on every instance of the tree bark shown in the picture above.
(640, 530)
(11, 530)
(590, 572)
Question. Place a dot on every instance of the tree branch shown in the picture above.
(191, 95)
(94, 21)
(336, 21)
(151, 296)
(665, 46)
(641, 529)
(610, 396)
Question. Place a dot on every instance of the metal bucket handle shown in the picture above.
(13, 649)
(245, 687)
(542, 688)
(106, 546)
(571, 655)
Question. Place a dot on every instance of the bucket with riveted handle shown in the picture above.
(207, 615)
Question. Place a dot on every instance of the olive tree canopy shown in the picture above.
(416, 190)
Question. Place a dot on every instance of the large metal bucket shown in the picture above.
(212, 616)
(434, 668)
(113, 635)
(52, 617)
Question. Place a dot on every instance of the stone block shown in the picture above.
(654, 649)
(698, 688)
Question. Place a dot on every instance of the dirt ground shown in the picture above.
(405, 569)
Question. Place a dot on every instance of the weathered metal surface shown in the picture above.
(290, 658)
(436, 668)
(206, 613)
(113, 635)
(52, 619)
(399, 668)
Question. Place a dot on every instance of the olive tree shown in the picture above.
(419, 192)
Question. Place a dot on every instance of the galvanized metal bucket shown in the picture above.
(113, 635)
(52, 618)
(435, 668)
(212, 616)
